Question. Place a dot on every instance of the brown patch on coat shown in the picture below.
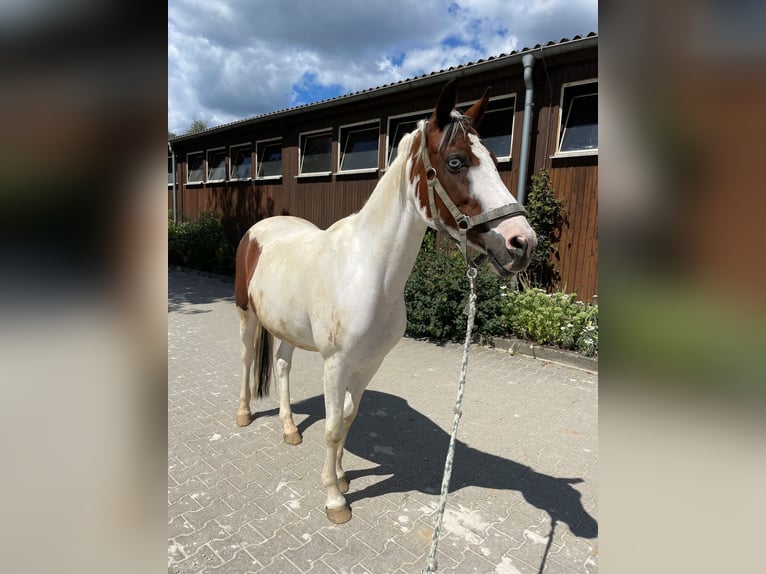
(454, 184)
(419, 171)
(248, 252)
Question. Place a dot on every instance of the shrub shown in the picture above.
(200, 245)
(437, 292)
(546, 215)
(433, 295)
(552, 319)
(436, 295)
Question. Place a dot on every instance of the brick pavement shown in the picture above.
(523, 497)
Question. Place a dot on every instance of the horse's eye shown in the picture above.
(454, 163)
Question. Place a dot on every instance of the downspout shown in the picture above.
(173, 161)
(528, 60)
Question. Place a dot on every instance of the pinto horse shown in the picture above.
(340, 291)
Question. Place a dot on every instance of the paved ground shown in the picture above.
(524, 496)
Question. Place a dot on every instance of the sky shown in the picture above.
(234, 59)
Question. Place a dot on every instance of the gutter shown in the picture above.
(528, 60)
(173, 161)
(495, 62)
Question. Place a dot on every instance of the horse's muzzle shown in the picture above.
(510, 255)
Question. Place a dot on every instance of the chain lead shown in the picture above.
(431, 560)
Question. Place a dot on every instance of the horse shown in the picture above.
(340, 291)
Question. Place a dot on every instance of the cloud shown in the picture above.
(232, 59)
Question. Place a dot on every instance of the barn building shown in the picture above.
(321, 161)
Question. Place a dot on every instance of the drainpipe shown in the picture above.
(528, 60)
(173, 161)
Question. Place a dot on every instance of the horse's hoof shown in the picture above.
(244, 420)
(294, 438)
(338, 515)
(343, 484)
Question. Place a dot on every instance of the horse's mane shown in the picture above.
(459, 124)
(405, 144)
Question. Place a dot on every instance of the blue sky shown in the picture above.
(234, 59)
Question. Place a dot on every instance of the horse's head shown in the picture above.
(459, 181)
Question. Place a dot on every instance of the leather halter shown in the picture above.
(464, 222)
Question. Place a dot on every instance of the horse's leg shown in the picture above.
(335, 381)
(353, 397)
(350, 410)
(284, 360)
(247, 327)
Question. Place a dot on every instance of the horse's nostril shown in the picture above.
(518, 242)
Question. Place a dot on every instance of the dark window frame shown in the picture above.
(216, 151)
(304, 138)
(201, 167)
(247, 150)
(261, 147)
(394, 135)
(584, 94)
(344, 135)
(505, 103)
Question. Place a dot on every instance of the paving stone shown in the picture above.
(240, 563)
(240, 500)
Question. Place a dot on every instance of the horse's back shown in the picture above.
(261, 235)
(277, 270)
(281, 228)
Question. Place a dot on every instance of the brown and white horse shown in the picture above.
(340, 291)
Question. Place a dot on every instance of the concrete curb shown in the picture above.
(569, 358)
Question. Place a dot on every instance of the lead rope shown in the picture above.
(431, 565)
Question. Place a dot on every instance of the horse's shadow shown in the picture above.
(416, 461)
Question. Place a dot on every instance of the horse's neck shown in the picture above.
(390, 227)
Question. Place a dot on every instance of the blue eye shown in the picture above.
(454, 163)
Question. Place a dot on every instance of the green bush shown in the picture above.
(436, 295)
(437, 292)
(546, 215)
(200, 245)
(552, 319)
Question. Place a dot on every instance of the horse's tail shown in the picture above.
(257, 340)
(263, 343)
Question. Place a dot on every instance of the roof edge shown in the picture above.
(549, 49)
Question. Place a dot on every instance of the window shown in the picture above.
(216, 164)
(241, 162)
(316, 153)
(398, 127)
(578, 132)
(195, 165)
(269, 159)
(170, 170)
(496, 128)
(359, 145)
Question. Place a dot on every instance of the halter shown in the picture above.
(464, 222)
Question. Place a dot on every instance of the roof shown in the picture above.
(552, 47)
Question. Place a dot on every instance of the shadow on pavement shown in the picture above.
(416, 461)
(187, 288)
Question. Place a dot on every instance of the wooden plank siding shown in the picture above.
(575, 179)
(327, 198)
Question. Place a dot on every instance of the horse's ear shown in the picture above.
(476, 111)
(447, 101)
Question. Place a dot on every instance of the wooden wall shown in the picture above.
(575, 179)
(325, 199)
